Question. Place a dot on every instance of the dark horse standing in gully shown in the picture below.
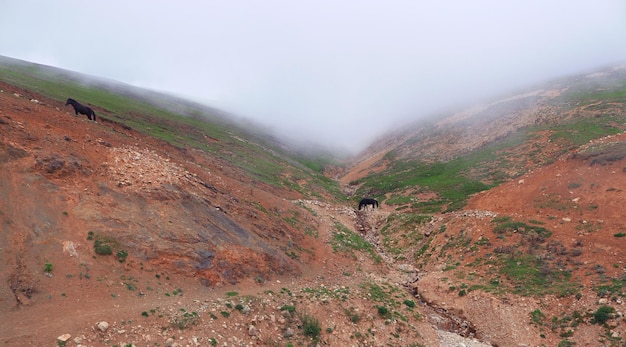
(80, 108)
(364, 202)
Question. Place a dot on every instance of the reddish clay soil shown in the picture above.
(113, 177)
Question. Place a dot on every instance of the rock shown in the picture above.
(23, 299)
(245, 309)
(169, 342)
(288, 332)
(407, 268)
(62, 340)
(252, 330)
(603, 301)
(102, 326)
(70, 248)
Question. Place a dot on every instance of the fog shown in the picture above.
(338, 73)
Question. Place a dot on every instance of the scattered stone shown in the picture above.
(407, 268)
(252, 330)
(245, 309)
(102, 326)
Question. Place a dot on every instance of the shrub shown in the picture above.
(102, 248)
(409, 303)
(47, 267)
(602, 314)
(352, 314)
(311, 326)
(121, 255)
(383, 311)
(537, 317)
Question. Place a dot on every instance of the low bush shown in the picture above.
(311, 326)
(602, 314)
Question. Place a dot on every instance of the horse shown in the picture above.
(367, 201)
(82, 109)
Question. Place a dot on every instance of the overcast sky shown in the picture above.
(343, 72)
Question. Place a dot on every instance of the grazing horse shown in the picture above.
(79, 108)
(364, 202)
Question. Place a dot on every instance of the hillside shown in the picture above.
(182, 231)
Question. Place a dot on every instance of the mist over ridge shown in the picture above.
(322, 72)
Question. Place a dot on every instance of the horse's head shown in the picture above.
(70, 101)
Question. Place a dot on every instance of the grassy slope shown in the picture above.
(455, 180)
(251, 152)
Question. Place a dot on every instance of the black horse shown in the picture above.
(79, 108)
(366, 201)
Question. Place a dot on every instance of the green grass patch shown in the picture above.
(530, 276)
(614, 287)
(505, 224)
(582, 130)
(345, 240)
(453, 181)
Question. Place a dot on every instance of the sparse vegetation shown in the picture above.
(121, 255)
(354, 316)
(185, 319)
(345, 240)
(311, 326)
